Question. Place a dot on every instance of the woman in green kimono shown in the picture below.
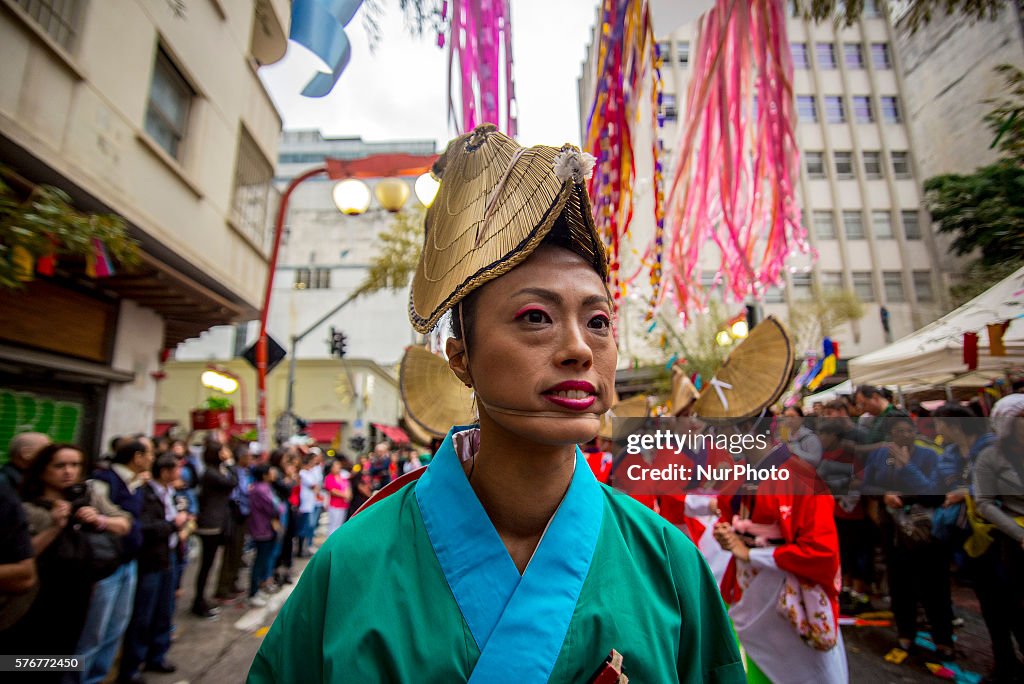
(505, 560)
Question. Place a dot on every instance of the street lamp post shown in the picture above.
(379, 166)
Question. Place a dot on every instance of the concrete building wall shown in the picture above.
(81, 108)
(948, 72)
(131, 405)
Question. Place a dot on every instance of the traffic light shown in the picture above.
(338, 342)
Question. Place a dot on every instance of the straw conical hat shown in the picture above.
(754, 375)
(684, 392)
(635, 407)
(497, 201)
(417, 433)
(434, 398)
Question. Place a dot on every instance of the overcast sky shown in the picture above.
(398, 92)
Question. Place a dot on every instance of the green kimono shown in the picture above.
(377, 605)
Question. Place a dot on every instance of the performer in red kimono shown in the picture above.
(783, 580)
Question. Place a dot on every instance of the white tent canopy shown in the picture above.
(934, 354)
(825, 396)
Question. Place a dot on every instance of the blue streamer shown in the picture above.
(319, 26)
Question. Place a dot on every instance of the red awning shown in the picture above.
(393, 432)
(161, 427)
(323, 431)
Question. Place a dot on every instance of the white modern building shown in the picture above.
(859, 184)
(325, 256)
(151, 110)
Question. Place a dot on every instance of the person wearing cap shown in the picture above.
(516, 565)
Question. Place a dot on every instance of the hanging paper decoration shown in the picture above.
(996, 347)
(24, 263)
(319, 26)
(971, 350)
(481, 43)
(628, 68)
(736, 163)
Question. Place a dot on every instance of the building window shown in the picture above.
(891, 109)
(303, 278)
(774, 295)
(862, 111)
(799, 53)
(853, 225)
(683, 52)
(826, 53)
(170, 99)
(815, 162)
(853, 55)
(824, 226)
(321, 279)
(871, 10)
(806, 109)
(831, 280)
(844, 165)
(880, 56)
(59, 19)
(663, 50)
(923, 286)
(893, 283)
(835, 113)
(669, 111)
(872, 164)
(900, 165)
(801, 286)
(911, 225)
(881, 221)
(863, 287)
(254, 191)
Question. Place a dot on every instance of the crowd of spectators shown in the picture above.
(93, 551)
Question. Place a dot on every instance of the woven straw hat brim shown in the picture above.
(465, 248)
(759, 370)
(417, 433)
(684, 392)
(434, 398)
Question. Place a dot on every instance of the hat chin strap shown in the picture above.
(491, 408)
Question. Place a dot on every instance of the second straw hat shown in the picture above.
(434, 398)
(496, 202)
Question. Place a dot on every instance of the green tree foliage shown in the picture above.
(46, 223)
(814, 319)
(696, 345)
(918, 12)
(395, 262)
(984, 210)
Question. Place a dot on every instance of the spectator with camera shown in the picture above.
(74, 528)
(149, 632)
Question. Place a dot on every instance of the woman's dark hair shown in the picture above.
(963, 418)
(164, 462)
(868, 391)
(259, 472)
(795, 407)
(463, 315)
(32, 486)
(211, 452)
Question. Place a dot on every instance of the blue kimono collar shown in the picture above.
(518, 621)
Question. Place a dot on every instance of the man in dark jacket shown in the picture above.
(114, 597)
(149, 634)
